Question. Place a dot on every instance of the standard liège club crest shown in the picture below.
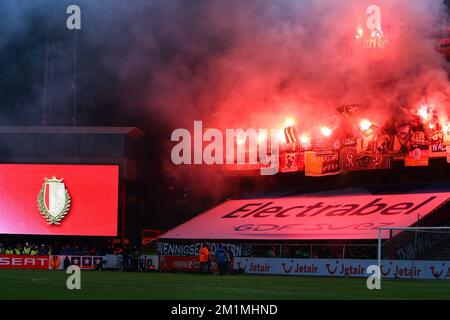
(53, 200)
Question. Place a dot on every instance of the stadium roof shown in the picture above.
(310, 217)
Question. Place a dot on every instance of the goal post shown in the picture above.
(390, 234)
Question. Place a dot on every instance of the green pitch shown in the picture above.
(26, 284)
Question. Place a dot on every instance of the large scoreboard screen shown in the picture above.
(49, 199)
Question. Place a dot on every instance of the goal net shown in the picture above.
(412, 244)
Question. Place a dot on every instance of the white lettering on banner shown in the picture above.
(174, 249)
(339, 268)
(314, 218)
(23, 262)
(110, 261)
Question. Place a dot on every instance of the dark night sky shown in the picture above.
(118, 52)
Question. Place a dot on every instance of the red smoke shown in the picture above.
(258, 62)
(299, 58)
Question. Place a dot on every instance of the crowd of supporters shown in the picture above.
(69, 249)
(26, 249)
(80, 248)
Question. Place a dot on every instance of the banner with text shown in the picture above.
(340, 268)
(23, 262)
(182, 263)
(352, 216)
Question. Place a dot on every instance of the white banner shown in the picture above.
(110, 261)
(356, 216)
(84, 262)
(339, 268)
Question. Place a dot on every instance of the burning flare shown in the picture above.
(424, 113)
(289, 122)
(305, 139)
(365, 125)
(326, 131)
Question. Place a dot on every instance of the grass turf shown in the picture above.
(47, 284)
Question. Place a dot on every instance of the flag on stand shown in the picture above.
(402, 140)
(291, 135)
(437, 148)
(322, 164)
(416, 158)
(349, 112)
(292, 162)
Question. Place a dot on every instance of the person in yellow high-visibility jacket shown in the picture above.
(26, 249)
(34, 251)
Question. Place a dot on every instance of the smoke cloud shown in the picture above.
(229, 63)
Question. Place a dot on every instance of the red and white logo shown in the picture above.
(23, 262)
